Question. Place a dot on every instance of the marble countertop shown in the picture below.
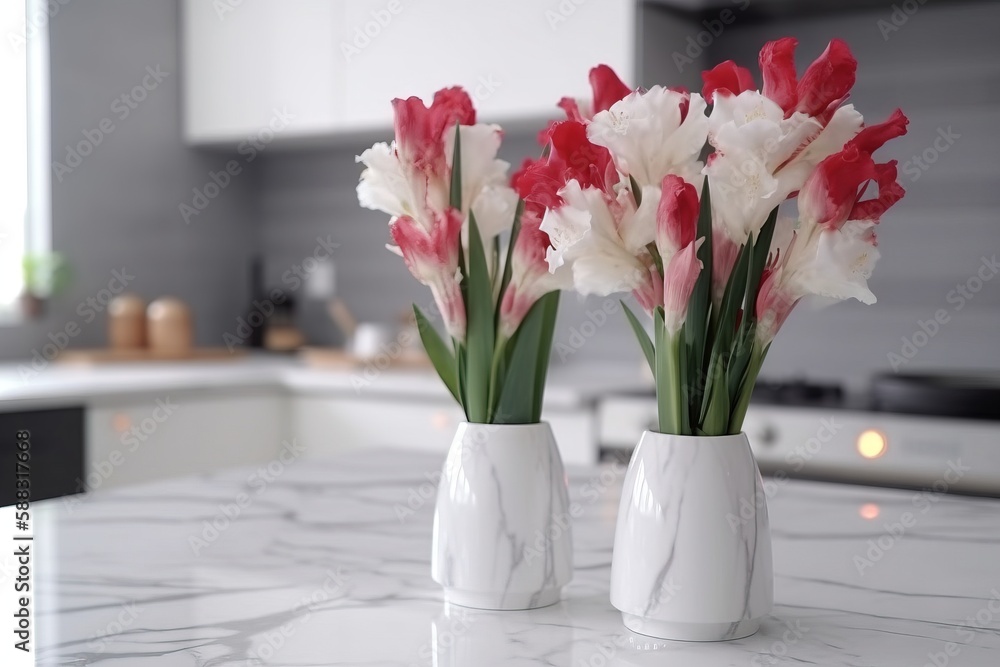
(569, 385)
(327, 563)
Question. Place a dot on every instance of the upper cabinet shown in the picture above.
(320, 68)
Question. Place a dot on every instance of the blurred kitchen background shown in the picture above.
(204, 150)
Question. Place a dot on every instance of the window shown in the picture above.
(24, 169)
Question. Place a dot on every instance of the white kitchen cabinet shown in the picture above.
(150, 437)
(327, 425)
(333, 65)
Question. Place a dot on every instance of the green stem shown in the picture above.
(739, 411)
(495, 379)
(669, 398)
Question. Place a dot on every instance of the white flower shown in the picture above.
(650, 135)
(762, 157)
(602, 240)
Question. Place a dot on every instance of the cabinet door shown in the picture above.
(516, 58)
(328, 425)
(143, 439)
(247, 63)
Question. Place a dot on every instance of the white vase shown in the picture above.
(502, 534)
(692, 558)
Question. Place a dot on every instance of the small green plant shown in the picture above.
(45, 275)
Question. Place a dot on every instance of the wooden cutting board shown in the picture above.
(333, 357)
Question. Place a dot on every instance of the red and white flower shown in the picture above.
(676, 228)
(767, 143)
(410, 180)
(832, 249)
(530, 278)
(432, 258)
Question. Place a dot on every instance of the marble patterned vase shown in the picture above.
(692, 557)
(502, 534)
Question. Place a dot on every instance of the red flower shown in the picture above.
(777, 65)
(827, 81)
(871, 138)
(676, 215)
(571, 156)
(889, 192)
(420, 130)
(727, 77)
(831, 191)
(607, 89)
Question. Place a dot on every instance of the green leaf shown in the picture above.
(699, 307)
(441, 357)
(640, 333)
(549, 314)
(732, 299)
(739, 362)
(480, 328)
(528, 354)
(636, 190)
(683, 388)
(739, 411)
(455, 196)
(716, 421)
(761, 250)
(508, 266)
(670, 396)
(460, 357)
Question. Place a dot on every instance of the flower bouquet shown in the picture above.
(503, 482)
(633, 205)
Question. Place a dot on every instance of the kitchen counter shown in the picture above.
(569, 385)
(328, 564)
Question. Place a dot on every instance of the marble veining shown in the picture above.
(496, 543)
(330, 565)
